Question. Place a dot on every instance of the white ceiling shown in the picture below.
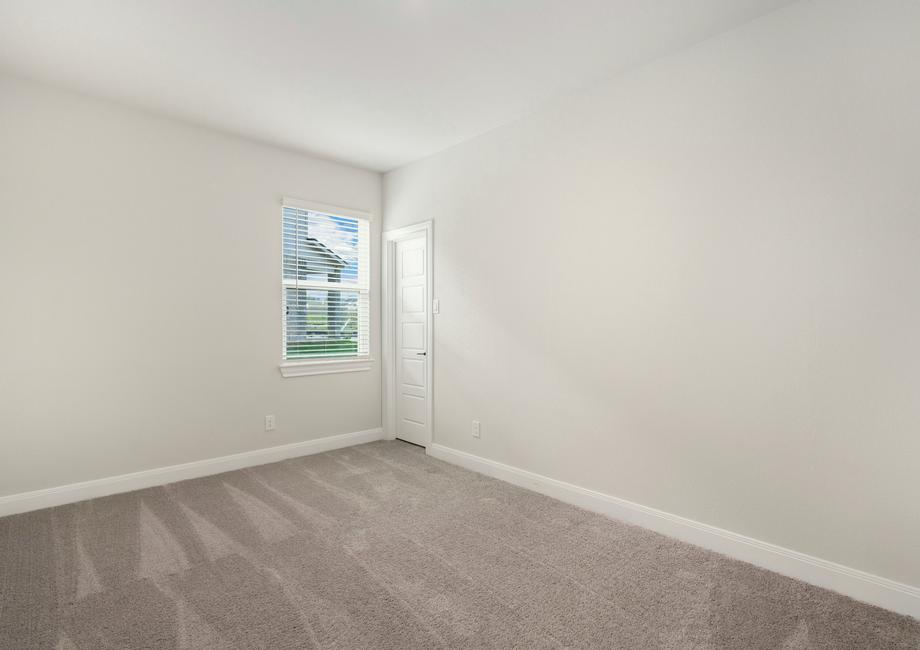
(375, 83)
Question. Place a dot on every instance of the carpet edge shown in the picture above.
(855, 583)
(59, 495)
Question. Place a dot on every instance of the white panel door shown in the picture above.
(411, 330)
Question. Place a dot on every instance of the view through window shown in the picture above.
(325, 285)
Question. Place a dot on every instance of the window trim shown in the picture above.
(325, 208)
(328, 366)
(331, 364)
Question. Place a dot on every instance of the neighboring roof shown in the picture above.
(325, 250)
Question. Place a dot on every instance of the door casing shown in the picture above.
(389, 357)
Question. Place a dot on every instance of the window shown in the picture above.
(325, 285)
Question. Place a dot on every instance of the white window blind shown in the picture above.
(325, 285)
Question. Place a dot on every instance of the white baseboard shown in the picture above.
(854, 583)
(56, 496)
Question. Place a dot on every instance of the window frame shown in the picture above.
(323, 365)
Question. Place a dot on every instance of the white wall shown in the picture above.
(140, 289)
(697, 287)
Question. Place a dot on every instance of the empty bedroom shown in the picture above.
(424, 324)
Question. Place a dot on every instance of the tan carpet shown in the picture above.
(379, 546)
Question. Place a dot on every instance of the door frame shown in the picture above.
(388, 240)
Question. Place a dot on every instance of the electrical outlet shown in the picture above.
(269, 422)
(476, 431)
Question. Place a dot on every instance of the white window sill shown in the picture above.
(324, 366)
